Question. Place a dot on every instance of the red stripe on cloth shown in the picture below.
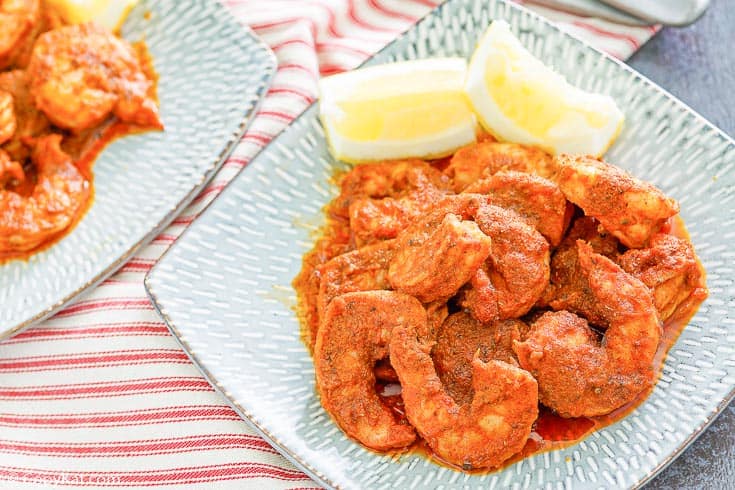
(105, 389)
(171, 476)
(120, 303)
(164, 238)
(258, 138)
(292, 91)
(296, 66)
(128, 418)
(138, 265)
(283, 116)
(264, 26)
(290, 42)
(390, 12)
(93, 360)
(331, 69)
(353, 16)
(331, 20)
(241, 161)
(428, 3)
(183, 220)
(105, 330)
(214, 188)
(145, 447)
(613, 35)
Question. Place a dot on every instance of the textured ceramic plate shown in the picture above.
(213, 72)
(224, 287)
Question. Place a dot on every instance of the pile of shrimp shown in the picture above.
(485, 285)
(58, 84)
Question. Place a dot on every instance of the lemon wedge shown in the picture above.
(518, 98)
(399, 110)
(108, 13)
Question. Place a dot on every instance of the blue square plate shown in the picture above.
(213, 73)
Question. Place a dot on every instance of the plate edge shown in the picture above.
(313, 473)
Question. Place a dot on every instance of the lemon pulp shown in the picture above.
(518, 98)
(366, 120)
(399, 110)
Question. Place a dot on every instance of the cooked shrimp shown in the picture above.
(385, 198)
(372, 220)
(389, 179)
(538, 200)
(354, 334)
(10, 171)
(364, 269)
(433, 262)
(459, 338)
(669, 267)
(483, 433)
(577, 374)
(8, 123)
(516, 273)
(469, 163)
(60, 192)
(568, 287)
(80, 74)
(436, 313)
(17, 18)
(30, 123)
(630, 209)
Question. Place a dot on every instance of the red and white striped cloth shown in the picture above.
(101, 395)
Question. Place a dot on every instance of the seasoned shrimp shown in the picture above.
(10, 171)
(60, 192)
(372, 220)
(392, 178)
(17, 18)
(630, 209)
(80, 74)
(669, 267)
(364, 269)
(30, 123)
(434, 259)
(384, 199)
(8, 123)
(568, 287)
(577, 374)
(459, 338)
(354, 334)
(469, 163)
(482, 433)
(537, 199)
(436, 313)
(516, 273)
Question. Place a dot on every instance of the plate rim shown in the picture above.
(251, 421)
(268, 67)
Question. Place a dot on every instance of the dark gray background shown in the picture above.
(697, 65)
